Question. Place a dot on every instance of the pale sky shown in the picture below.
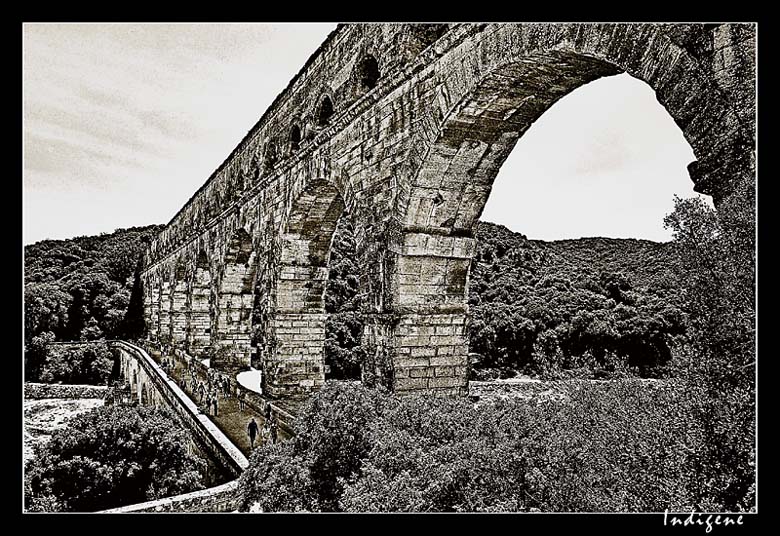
(122, 123)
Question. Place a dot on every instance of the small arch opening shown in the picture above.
(325, 112)
(295, 138)
(369, 73)
(429, 33)
(270, 156)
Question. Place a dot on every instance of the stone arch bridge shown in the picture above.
(406, 127)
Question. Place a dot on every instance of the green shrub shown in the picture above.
(109, 457)
(90, 364)
(623, 445)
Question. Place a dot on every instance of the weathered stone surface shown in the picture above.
(223, 498)
(414, 155)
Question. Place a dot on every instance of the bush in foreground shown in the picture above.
(615, 446)
(109, 457)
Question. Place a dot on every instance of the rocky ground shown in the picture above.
(43, 417)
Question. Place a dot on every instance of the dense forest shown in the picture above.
(593, 307)
(85, 288)
(590, 306)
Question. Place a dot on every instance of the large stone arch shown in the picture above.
(414, 156)
(294, 364)
(506, 88)
(484, 95)
(151, 308)
(199, 325)
(233, 320)
(178, 308)
(164, 331)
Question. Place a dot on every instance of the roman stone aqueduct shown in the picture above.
(406, 127)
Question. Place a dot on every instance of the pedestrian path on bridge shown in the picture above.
(232, 420)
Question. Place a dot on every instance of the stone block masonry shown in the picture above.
(223, 498)
(412, 152)
(296, 367)
(430, 354)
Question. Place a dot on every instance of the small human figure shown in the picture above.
(266, 432)
(267, 410)
(274, 431)
(252, 430)
(216, 406)
(240, 397)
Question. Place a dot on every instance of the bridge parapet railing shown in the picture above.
(285, 419)
(214, 499)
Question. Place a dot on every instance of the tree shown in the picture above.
(112, 456)
(133, 323)
(89, 364)
(35, 355)
(717, 265)
(69, 282)
(91, 331)
(344, 326)
(45, 309)
(331, 439)
(620, 446)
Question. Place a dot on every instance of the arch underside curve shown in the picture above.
(294, 365)
(476, 135)
(486, 97)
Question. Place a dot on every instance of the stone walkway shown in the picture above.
(230, 419)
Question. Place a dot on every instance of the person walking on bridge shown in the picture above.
(252, 430)
(266, 437)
